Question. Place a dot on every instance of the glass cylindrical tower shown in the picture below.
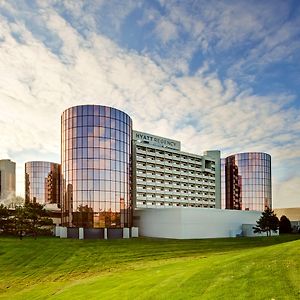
(42, 182)
(248, 184)
(7, 179)
(96, 167)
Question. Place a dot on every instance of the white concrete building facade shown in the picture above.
(195, 223)
(164, 176)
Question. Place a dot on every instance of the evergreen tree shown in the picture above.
(5, 220)
(21, 224)
(37, 218)
(268, 222)
(285, 225)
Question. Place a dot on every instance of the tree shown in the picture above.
(16, 201)
(285, 225)
(268, 222)
(5, 220)
(11, 201)
(21, 224)
(32, 218)
(37, 219)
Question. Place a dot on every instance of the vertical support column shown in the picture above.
(125, 233)
(81, 233)
(57, 231)
(134, 232)
(63, 232)
(105, 233)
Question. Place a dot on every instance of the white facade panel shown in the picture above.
(81, 233)
(126, 234)
(134, 232)
(63, 232)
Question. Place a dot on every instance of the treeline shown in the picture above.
(29, 219)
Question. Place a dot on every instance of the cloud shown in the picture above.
(203, 110)
(166, 30)
(286, 193)
(241, 38)
(276, 46)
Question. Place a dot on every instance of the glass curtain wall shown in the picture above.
(248, 181)
(96, 167)
(42, 182)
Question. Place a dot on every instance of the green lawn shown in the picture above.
(237, 268)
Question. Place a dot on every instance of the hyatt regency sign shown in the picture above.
(155, 140)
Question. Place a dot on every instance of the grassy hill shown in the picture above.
(241, 268)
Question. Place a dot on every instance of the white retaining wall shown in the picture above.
(192, 223)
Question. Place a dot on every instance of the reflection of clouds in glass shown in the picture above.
(99, 156)
(249, 178)
(42, 182)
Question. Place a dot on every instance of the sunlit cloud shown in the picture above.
(57, 55)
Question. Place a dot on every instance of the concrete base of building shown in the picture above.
(95, 233)
(193, 223)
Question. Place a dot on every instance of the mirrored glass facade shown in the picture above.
(42, 182)
(248, 181)
(7, 179)
(96, 167)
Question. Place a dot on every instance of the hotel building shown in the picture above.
(246, 181)
(110, 173)
(165, 176)
(7, 179)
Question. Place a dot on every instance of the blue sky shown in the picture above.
(212, 74)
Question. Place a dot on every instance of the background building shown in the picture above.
(42, 183)
(96, 167)
(246, 181)
(163, 175)
(7, 179)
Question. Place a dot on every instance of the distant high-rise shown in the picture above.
(246, 181)
(7, 179)
(42, 183)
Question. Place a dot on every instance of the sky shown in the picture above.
(213, 74)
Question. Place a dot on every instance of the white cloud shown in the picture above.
(202, 111)
(286, 193)
(166, 30)
(261, 33)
